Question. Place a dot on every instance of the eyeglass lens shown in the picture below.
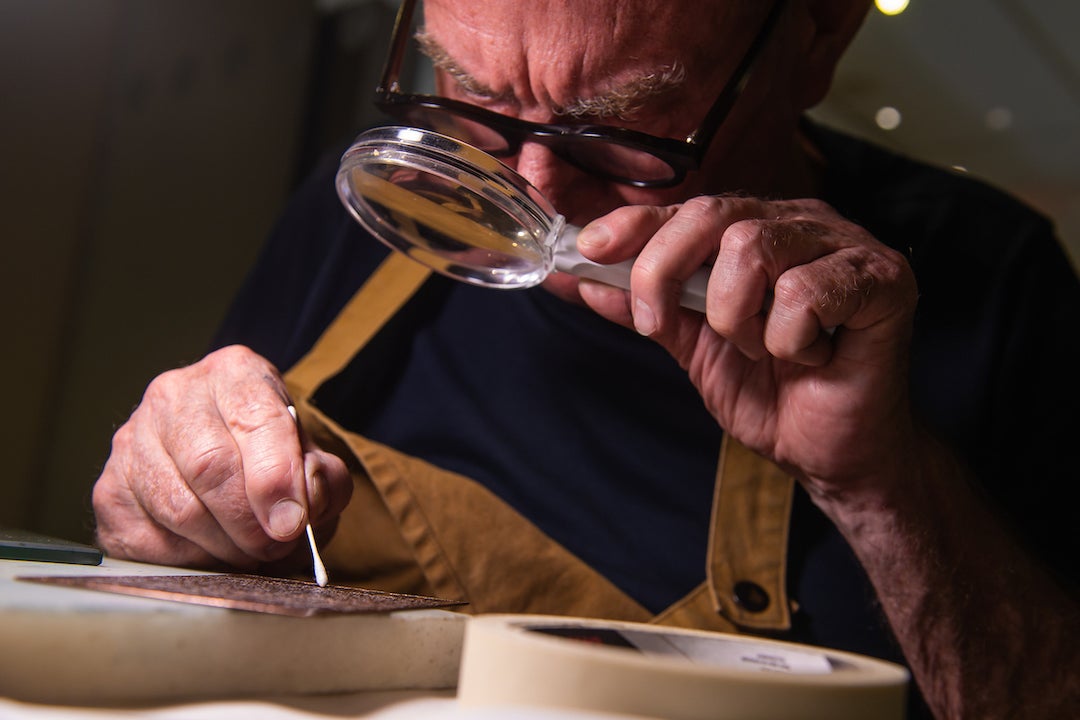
(592, 153)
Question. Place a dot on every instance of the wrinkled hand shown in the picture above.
(829, 405)
(211, 468)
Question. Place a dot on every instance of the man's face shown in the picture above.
(655, 67)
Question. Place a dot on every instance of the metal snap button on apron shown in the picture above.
(751, 596)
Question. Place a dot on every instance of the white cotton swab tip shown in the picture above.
(320, 570)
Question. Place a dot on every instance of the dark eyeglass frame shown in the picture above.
(682, 156)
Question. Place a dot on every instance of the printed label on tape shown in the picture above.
(716, 652)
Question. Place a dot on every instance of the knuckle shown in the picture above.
(894, 272)
(123, 440)
(163, 389)
(791, 289)
(229, 359)
(700, 216)
(103, 496)
(705, 205)
(742, 236)
(229, 355)
(211, 464)
(270, 467)
(897, 267)
(247, 409)
(180, 512)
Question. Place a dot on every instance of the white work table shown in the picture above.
(83, 654)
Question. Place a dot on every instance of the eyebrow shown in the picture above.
(621, 101)
(442, 60)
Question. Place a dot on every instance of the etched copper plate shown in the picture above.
(253, 593)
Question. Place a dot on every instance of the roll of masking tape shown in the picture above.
(651, 671)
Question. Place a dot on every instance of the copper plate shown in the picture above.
(253, 593)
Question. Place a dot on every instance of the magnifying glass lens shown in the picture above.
(448, 206)
(464, 214)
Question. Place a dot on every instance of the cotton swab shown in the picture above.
(320, 569)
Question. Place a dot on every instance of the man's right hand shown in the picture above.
(211, 468)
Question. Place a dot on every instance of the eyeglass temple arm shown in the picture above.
(392, 70)
(720, 109)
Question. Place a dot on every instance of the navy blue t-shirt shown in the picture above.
(597, 436)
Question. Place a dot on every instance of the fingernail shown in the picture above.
(286, 517)
(644, 319)
(594, 236)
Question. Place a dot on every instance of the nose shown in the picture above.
(545, 170)
(568, 189)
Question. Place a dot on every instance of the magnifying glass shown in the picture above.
(465, 215)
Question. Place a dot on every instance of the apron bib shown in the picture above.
(415, 528)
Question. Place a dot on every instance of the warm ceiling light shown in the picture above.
(891, 7)
(887, 118)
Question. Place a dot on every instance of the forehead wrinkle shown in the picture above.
(620, 100)
(442, 60)
(608, 63)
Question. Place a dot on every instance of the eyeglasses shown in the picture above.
(612, 153)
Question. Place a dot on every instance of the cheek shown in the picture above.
(588, 198)
(592, 198)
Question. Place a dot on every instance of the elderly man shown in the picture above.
(876, 369)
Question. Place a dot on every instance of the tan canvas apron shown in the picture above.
(412, 527)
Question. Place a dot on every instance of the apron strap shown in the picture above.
(745, 588)
(392, 284)
(748, 540)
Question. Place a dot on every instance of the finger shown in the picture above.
(689, 239)
(141, 457)
(860, 288)
(740, 287)
(753, 254)
(125, 530)
(807, 299)
(169, 501)
(268, 442)
(329, 486)
(607, 301)
(328, 481)
(622, 233)
(230, 437)
(615, 237)
(209, 464)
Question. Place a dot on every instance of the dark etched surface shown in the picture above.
(253, 593)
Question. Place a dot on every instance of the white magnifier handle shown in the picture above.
(570, 261)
